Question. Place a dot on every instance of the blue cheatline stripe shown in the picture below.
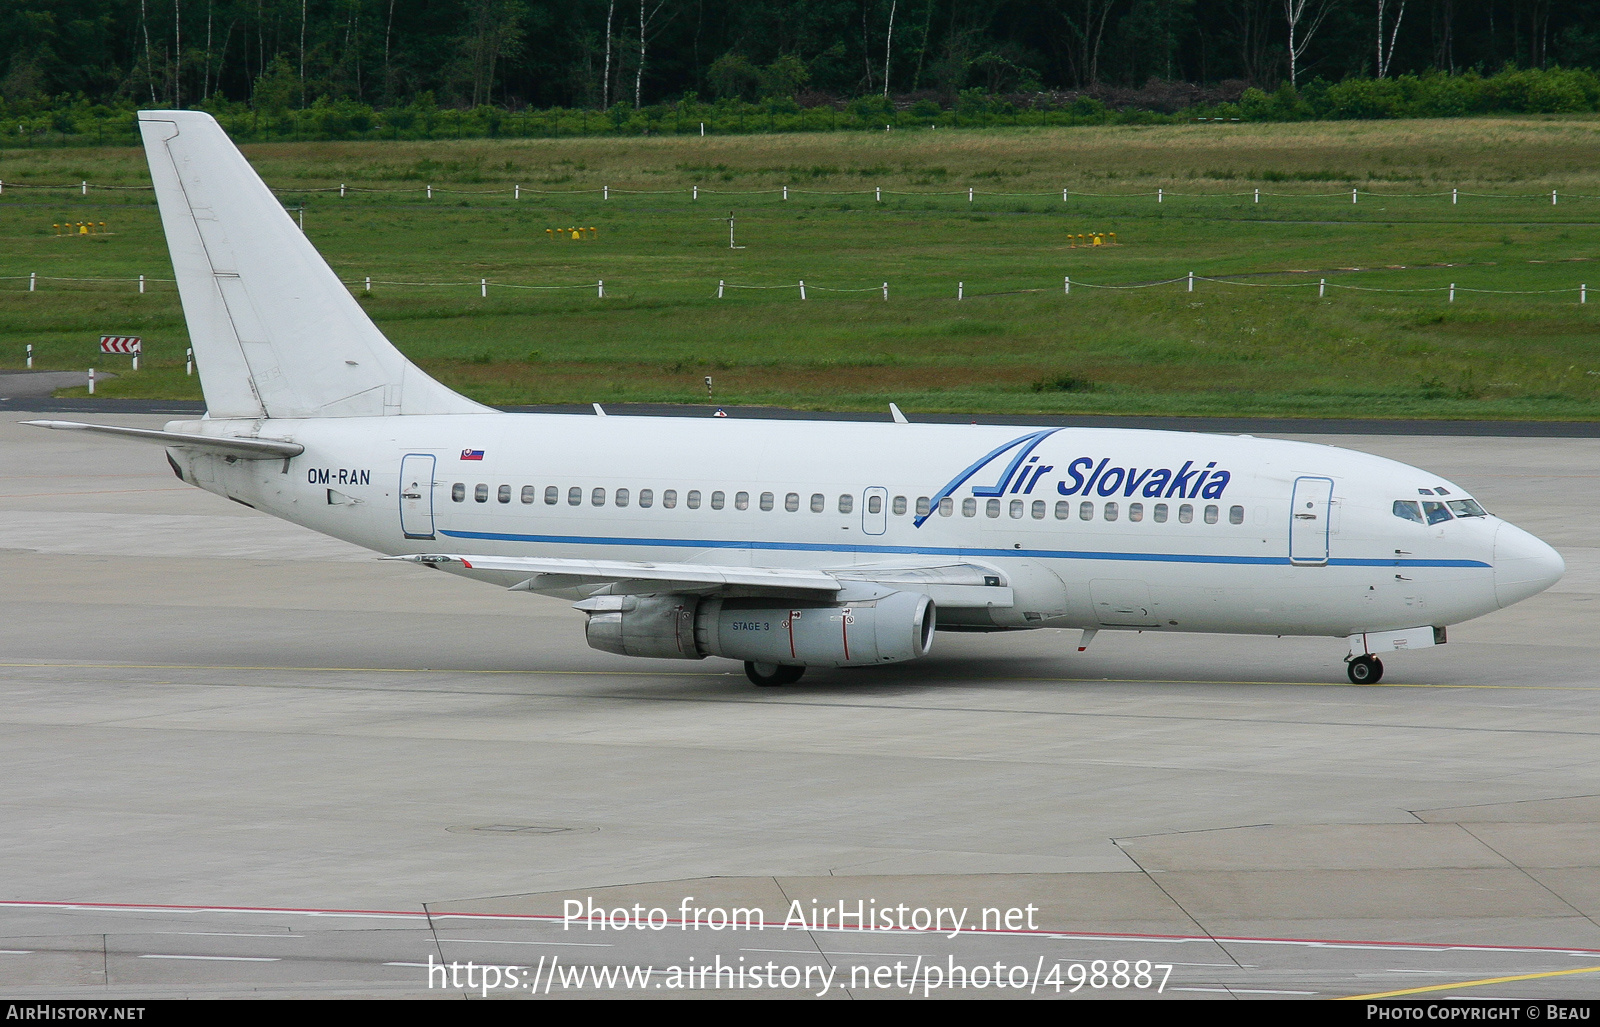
(1038, 554)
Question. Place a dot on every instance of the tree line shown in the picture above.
(278, 56)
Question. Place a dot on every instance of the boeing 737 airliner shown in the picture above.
(785, 545)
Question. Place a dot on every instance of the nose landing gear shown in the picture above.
(767, 674)
(1365, 670)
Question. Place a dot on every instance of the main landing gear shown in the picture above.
(1365, 670)
(772, 673)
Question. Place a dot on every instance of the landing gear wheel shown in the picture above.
(768, 674)
(1365, 670)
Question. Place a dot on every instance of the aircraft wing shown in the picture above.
(948, 584)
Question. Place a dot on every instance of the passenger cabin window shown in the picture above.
(1063, 509)
(551, 494)
(741, 500)
(969, 507)
(992, 508)
(692, 500)
(947, 506)
(1159, 514)
(621, 498)
(1038, 509)
(766, 501)
(458, 492)
(669, 498)
(922, 506)
(1436, 512)
(529, 493)
(899, 505)
(791, 502)
(647, 497)
(1211, 514)
(819, 502)
(480, 493)
(575, 496)
(504, 494)
(597, 497)
(1185, 514)
(1085, 511)
(1408, 510)
(1111, 511)
(874, 504)
(1016, 508)
(846, 503)
(1135, 511)
(717, 500)
(1235, 515)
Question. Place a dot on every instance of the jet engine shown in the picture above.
(887, 627)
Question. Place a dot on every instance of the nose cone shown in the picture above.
(1523, 565)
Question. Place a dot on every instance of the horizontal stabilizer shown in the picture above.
(240, 448)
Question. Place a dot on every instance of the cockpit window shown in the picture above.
(1466, 508)
(1408, 510)
(1424, 492)
(1436, 512)
(1441, 490)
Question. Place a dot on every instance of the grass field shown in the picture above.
(1259, 341)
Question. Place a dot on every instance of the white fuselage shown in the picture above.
(1091, 528)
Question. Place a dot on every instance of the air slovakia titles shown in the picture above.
(1088, 477)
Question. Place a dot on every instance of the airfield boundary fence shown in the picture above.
(696, 192)
(960, 291)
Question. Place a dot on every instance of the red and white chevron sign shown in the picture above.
(120, 344)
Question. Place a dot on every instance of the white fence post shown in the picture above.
(91, 381)
(141, 285)
(430, 192)
(1552, 197)
(188, 362)
(1322, 288)
(1066, 285)
(516, 192)
(721, 284)
(702, 128)
(1453, 194)
(1063, 196)
(341, 190)
(695, 195)
(961, 288)
(1161, 196)
(1191, 281)
(786, 192)
(802, 288)
(969, 194)
(30, 356)
(136, 360)
(1352, 196)
(600, 289)
(1258, 195)
(878, 192)
(1452, 292)
(886, 292)
(33, 277)
(369, 283)
(483, 287)
(1583, 297)
(85, 187)
(605, 192)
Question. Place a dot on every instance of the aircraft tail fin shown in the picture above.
(274, 331)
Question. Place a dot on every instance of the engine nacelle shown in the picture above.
(860, 633)
(656, 626)
(883, 627)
